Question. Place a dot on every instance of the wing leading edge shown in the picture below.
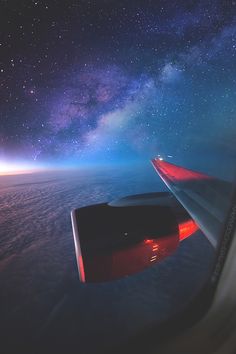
(207, 199)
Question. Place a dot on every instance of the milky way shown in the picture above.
(107, 82)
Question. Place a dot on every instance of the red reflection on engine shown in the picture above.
(176, 173)
(133, 259)
(186, 229)
(81, 269)
(147, 241)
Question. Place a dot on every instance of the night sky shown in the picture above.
(112, 81)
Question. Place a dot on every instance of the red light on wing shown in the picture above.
(175, 173)
(186, 229)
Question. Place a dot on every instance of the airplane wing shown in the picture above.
(207, 199)
(125, 236)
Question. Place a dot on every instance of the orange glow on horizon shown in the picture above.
(7, 168)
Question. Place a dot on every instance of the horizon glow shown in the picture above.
(15, 168)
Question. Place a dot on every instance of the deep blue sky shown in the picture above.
(110, 81)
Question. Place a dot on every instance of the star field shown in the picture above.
(108, 81)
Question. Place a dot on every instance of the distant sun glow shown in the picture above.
(12, 168)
